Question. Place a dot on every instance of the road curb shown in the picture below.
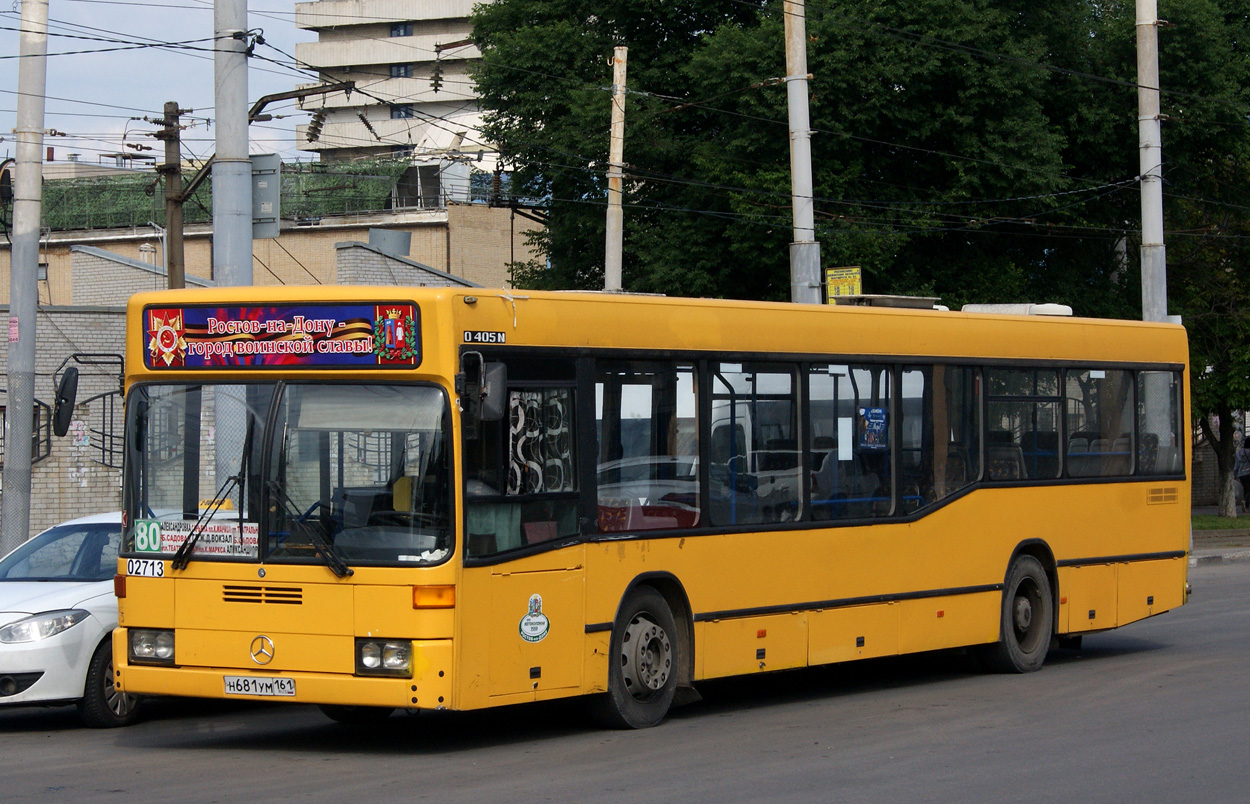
(1229, 557)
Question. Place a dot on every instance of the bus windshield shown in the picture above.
(290, 472)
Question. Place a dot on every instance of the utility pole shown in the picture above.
(232, 168)
(175, 266)
(32, 77)
(614, 243)
(1154, 269)
(804, 250)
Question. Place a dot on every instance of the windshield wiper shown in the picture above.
(319, 543)
(183, 556)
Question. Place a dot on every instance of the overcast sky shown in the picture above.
(93, 95)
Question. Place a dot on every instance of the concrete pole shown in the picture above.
(232, 170)
(1154, 271)
(232, 217)
(175, 266)
(614, 244)
(804, 251)
(32, 76)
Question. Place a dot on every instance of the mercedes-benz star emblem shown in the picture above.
(262, 650)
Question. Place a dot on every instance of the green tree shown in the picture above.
(979, 150)
(1206, 150)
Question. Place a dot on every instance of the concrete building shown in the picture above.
(409, 60)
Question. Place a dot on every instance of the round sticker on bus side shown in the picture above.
(535, 625)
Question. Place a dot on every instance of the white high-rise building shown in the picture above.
(409, 60)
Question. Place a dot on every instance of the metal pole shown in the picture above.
(804, 251)
(32, 75)
(175, 270)
(614, 244)
(1154, 271)
(232, 170)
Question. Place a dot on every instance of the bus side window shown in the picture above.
(755, 465)
(1159, 414)
(848, 430)
(521, 473)
(940, 433)
(648, 435)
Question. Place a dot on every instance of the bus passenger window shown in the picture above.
(1099, 410)
(1159, 414)
(1022, 440)
(755, 464)
(941, 427)
(848, 441)
(648, 436)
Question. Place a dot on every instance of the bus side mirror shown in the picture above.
(481, 387)
(494, 385)
(66, 393)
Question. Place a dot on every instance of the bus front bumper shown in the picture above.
(428, 688)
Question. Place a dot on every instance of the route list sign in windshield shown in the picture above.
(292, 336)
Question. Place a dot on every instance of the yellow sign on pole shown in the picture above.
(843, 282)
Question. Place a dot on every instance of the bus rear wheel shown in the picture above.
(642, 664)
(1027, 622)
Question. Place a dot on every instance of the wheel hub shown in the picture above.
(646, 657)
(1022, 613)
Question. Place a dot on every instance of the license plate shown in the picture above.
(260, 685)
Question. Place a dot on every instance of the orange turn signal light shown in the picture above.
(119, 585)
(433, 597)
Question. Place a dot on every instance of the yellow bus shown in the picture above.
(377, 498)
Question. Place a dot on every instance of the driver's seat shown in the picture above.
(402, 494)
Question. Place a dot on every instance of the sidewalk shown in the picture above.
(1220, 546)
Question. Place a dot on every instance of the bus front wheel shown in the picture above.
(642, 664)
(1027, 622)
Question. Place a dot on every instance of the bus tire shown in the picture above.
(356, 715)
(642, 664)
(1027, 621)
(103, 706)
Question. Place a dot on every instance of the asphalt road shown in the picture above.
(1155, 712)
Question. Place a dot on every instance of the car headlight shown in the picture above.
(384, 657)
(43, 625)
(150, 646)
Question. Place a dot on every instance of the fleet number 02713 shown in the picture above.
(145, 568)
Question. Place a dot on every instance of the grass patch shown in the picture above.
(1213, 522)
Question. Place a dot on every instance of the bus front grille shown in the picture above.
(284, 595)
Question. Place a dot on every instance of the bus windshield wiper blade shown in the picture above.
(323, 548)
(183, 556)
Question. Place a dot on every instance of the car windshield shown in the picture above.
(354, 474)
(66, 553)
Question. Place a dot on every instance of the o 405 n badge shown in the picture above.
(535, 625)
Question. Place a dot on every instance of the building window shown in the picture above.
(401, 111)
(401, 71)
(401, 29)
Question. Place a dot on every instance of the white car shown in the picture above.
(57, 615)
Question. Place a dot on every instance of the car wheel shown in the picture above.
(103, 706)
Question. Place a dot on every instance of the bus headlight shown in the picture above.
(384, 657)
(150, 646)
